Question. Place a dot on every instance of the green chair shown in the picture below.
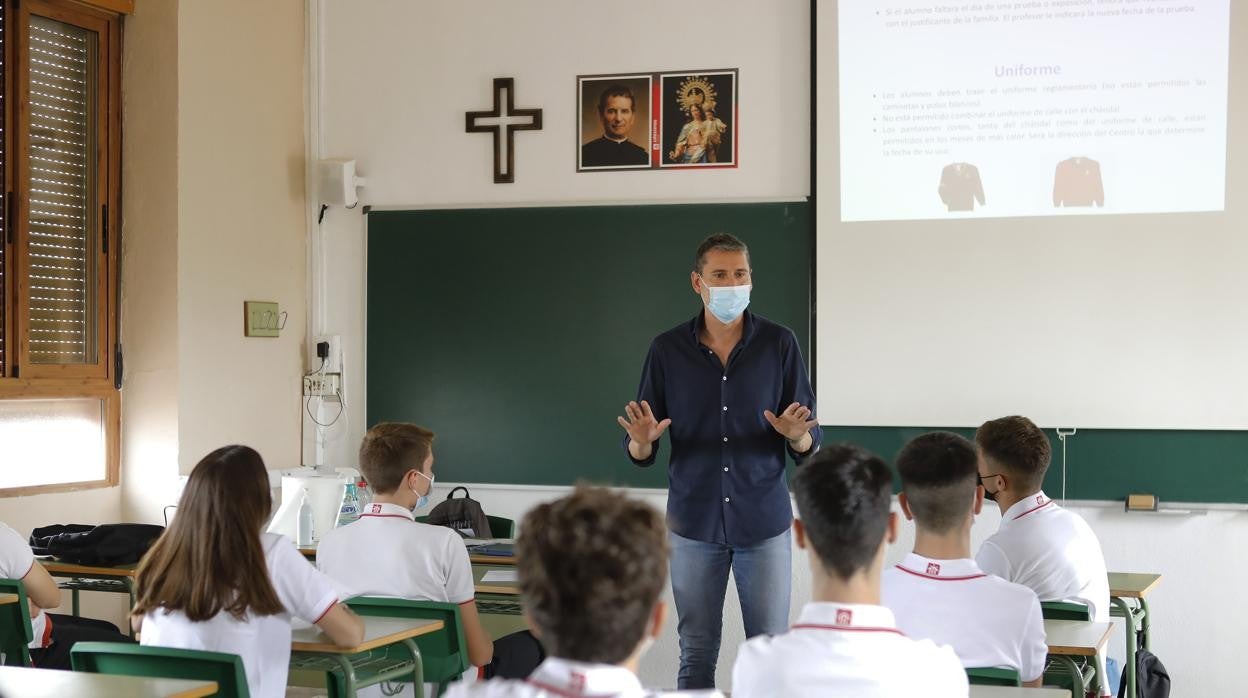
(993, 676)
(1065, 610)
(163, 662)
(15, 630)
(444, 654)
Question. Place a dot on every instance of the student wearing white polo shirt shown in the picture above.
(1039, 544)
(386, 553)
(845, 642)
(592, 566)
(213, 581)
(938, 592)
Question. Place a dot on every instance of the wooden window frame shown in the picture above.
(99, 380)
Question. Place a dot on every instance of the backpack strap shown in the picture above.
(451, 495)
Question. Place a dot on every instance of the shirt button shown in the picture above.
(725, 468)
(726, 500)
(725, 439)
(725, 377)
(725, 408)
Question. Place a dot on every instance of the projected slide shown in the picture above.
(1032, 108)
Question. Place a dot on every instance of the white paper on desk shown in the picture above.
(500, 576)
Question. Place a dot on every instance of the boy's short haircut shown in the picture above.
(390, 450)
(842, 495)
(938, 475)
(1018, 446)
(591, 568)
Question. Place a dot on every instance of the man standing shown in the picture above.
(616, 112)
(733, 389)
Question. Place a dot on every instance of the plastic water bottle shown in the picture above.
(303, 530)
(350, 510)
(363, 494)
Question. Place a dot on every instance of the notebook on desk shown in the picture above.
(496, 549)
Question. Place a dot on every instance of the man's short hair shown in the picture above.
(939, 476)
(1016, 445)
(615, 90)
(591, 568)
(842, 495)
(389, 450)
(718, 241)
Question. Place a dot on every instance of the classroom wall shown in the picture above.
(397, 77)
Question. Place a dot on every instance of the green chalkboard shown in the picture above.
(518, 334)
(1175, 465)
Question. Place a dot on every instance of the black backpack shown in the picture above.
(106, 544)
(464, 515)
(1151, 678)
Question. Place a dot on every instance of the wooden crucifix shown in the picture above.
(494, 122)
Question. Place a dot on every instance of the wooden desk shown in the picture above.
(6, 599)
(1134, 586)
(1017, 692)
(48, 683)
(500, 588)
(1068, 639)
(352, 668)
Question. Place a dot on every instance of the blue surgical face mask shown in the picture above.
(727, 302)
(422, 500)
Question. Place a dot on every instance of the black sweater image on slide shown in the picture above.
(960, 187)
(1077, 182)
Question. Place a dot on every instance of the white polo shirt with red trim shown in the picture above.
(16, 561)
(387, 553)
(262, 641)
(846, 650)
(563, 678)
(988, 621)
(1050, 550)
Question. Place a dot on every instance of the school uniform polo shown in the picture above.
(988, 621)
(16, 561)
(563, 678)
(263, 642)
(387, 553)
(1050, 550)
(846, 650)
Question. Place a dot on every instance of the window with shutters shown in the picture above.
(59, 188)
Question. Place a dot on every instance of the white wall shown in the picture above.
(398, 77)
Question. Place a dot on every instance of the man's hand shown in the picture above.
(643, 429)
(794, 424)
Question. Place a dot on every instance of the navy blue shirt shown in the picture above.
(727, 469)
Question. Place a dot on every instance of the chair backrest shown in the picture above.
(993, 676)
(444, 654)
(15, 630)
(501, 528)
(1065, 610)
(163, 662)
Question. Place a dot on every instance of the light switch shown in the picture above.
(262, 319)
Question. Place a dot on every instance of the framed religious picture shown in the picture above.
(698, 119)
(615, 122)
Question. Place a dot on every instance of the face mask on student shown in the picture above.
(990, 496)
(727, 302)
(422, 500)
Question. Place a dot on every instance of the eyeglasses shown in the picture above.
(723, 277)
(983, 477)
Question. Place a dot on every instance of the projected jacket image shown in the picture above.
(960, 187)
(1078, 183)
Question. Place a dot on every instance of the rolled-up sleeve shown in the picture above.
(797, 389)
(651, 389)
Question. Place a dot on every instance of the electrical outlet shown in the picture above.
(326, 385)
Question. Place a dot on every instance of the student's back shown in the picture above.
(263, 641)
(846, 650)
(214, 582)
(1050, 550)
(387, 553)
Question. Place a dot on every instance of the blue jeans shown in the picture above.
(763, 573)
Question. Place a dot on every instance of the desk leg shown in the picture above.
(418, 672)
(1146, 637)
(342, 686)
(1128, 618)
(73, 596)
(1072, 667)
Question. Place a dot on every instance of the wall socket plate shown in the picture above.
(262, 319)
(324, 385)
